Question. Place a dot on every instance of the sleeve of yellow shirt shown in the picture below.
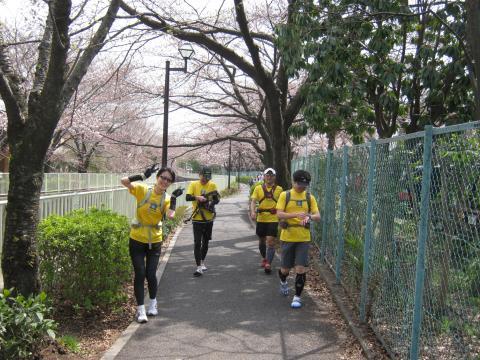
(255, 195)
(281, 201)
(191, 189)
(138, 190)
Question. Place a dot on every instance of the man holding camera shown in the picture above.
(205, 196)
(296, 208)
(266, 195)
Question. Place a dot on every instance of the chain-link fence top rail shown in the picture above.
(412, 266)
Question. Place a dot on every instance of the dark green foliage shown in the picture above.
(378, 65)
(23, 326)
(84, 257)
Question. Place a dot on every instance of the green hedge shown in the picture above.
(23, 326)
(84, 257)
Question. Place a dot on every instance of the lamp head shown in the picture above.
(186, 50)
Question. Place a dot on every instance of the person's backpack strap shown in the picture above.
(146, 199)
(265, 192)
(308, 198)
(287, 199)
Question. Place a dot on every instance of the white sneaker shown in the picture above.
(141, 315)
(296, 302)
(198, 272)
(204, 267)
(152, 308)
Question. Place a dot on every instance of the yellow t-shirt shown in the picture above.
(258, 194)
(148, 214)
(196, 189)
(297, 203)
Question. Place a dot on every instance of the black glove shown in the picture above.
(176, 193)
(133, 178)
(151, 170)
(173, 203)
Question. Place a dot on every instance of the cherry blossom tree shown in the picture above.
(246, 41)
(33, 111)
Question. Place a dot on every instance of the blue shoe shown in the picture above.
(284, 288)
(296, 302)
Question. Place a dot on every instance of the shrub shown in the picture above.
(170, 224)
(84, 257)
(227, 192)
(23, 326)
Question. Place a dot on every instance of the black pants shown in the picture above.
(138, 252)
(202, 234)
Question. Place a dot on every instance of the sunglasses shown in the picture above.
(166, 178)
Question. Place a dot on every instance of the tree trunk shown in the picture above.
(19, 260)
(473, 34)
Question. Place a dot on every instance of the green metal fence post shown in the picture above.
(341, 221)
(421, 243)
(326, 197)
(368, 228)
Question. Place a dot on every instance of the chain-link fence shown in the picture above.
(400, 230)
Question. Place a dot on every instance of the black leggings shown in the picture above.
(202, 234)
(138, 252)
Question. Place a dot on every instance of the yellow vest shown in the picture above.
(196, 189)
(148, 224)
(297, 203)
(258, 194)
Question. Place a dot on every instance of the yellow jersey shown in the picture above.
(196, 188)
(297, 203)
(148, 227)
(266, 202)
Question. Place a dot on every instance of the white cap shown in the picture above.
(269, 170)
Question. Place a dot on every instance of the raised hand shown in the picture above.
(177, 192)
(152, 169)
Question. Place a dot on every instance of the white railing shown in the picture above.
(116, 199)
(65, 182)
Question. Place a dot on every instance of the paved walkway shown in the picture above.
(234, 311)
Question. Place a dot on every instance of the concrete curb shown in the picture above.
(113, 351)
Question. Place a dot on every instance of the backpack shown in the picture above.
(307, 199)
(268, 194)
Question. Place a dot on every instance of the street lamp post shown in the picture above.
(186, 51)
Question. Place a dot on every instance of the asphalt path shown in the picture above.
(233, 311)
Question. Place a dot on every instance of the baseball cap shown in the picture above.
(207, 172)
(302, 177)
(269, 170)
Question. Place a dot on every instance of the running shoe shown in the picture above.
(152, 308)
(268, 268)
(198, 272)
(141, 315)
(204, 267)
(284, 288)
(296, 302)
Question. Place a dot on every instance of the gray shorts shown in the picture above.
(294, 253)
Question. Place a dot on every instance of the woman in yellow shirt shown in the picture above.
(146, 232)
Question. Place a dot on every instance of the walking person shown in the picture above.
(296, 208)
(266, 195)
(205, 196)
(146, 232)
